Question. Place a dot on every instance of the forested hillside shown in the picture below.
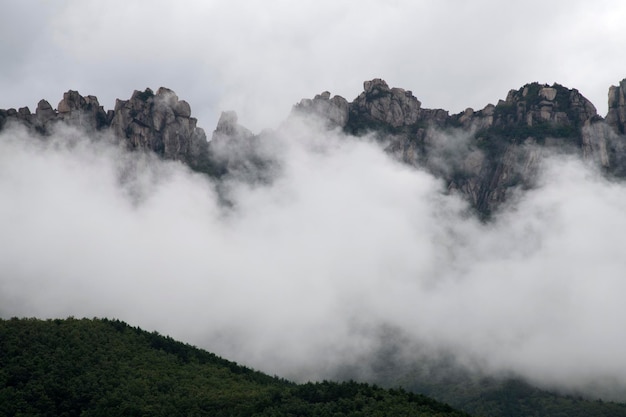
(108, 368)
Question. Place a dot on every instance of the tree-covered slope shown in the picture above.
(108, 368)
(512, 397)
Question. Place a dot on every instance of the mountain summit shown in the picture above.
(494, 150)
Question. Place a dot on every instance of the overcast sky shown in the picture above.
(260, 58)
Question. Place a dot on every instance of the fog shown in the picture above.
(301, 274)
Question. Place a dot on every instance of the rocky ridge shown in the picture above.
(482, 154)
(159, 123)
(492, 150)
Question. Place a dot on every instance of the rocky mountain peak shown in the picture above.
(228, 128)
(334, 111)
(81, 111)
(378, 103)
(534, 105)
(376, 88)
(504, 142)
(44, 113)
(498, 151)
(159, 123)
(537, 103)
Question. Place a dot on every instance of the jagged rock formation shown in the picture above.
(496, 148)
(332, 110)
(160, 123)
(510, 133)
(379, 105)
(534, 105)
(81, 111)
(236, 151)
(228, 129)
(481, 154)
(616, 116)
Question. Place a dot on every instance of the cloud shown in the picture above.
(301, 275)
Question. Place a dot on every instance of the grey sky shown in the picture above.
(259, 58)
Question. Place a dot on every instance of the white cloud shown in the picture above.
(298, 274)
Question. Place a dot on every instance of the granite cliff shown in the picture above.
(482, 154)
(485, 153)
(159, 123)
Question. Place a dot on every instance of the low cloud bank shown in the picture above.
(300, 275)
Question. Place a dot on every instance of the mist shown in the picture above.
(301, 274)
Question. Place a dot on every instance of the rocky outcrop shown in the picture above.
(44, 113)
(229, 130)
(554, 109)
(481, 154)
(534, 104)
(497, 148)
(616, 116)
(237, 152)
(160, 123)
(73, 109)
(512, 133)
(392, 109)
(83, 112)
(334, 111)
(390, 106)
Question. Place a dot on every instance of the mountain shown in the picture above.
(495, 149)
(487, 156)
(107, 368)
(101, 367)
(159, 123)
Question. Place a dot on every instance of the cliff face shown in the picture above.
(482, 154)
(493, 149)
(616, 116)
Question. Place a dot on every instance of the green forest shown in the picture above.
(100, 367)
(106, 368)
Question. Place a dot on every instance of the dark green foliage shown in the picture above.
(516, 398)
(359, 124)
(506, 111)
(511, 397)
(532, 94)
(145, 95)
(518, 133)
(510, 117)
(355, 399)
(108, 368)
